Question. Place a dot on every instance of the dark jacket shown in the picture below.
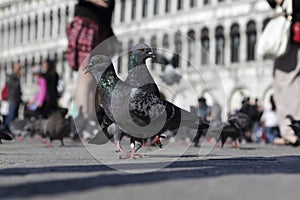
(14, 89)
(100, 15)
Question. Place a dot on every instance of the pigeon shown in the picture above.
(56, 127)
(295, 125)
(169, 76)
(236, 127)
(138, 76)
(143, 107)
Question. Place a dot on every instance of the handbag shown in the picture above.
(4, 108)
(275, 38)
(296, 32)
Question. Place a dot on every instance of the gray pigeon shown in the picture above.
(144, 108)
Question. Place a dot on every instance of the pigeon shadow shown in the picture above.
(179, 170)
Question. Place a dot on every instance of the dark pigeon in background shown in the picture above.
(56, 127)
(169, 75)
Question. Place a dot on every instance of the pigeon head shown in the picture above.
(98, 64)
(142, 51)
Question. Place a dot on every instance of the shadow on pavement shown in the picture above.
(180, 170)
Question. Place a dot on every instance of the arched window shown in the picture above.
(15, 33)
(44, 26)
(155, 9)
(122, 15)
(178, 49)
(21, 31)
(193, 3)
(179, 4)
(133, 9)
(142, 40)
(153, 44)
(235, 42)
(168, 6)
(166, 41)
(251, 40)
(145, 7)
(58, 21)
(191, 47)
(220, 45)
(28, 29)
(204, 46)
(51, 23)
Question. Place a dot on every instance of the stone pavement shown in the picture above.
(28, 170)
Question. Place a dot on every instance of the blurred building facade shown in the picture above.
(210, 35)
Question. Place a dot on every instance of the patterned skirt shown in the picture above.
(83, 36)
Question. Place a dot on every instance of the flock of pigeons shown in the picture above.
(134, 108)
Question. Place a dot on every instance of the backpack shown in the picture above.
(4, 92)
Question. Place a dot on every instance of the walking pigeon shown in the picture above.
(134, 110)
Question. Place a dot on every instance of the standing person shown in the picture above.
(204, 111)
(270, 122)
(51, 76)
(256, 129)
(14, 94)
(287, 79)
(91, 26)
(37, 104)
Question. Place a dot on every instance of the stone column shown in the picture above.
(139, 10)
(62, 20)
(150, 8)
(47, 24)
(117, 12)
(25, 30)
(40, 26)
(212, 46)
(32, 27)
(54, 25)
(128, 7)
(227, 50)
(243, 43)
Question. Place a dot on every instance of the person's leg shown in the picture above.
(269, 134)
(85, 93)
(10, 117)
(286, 93)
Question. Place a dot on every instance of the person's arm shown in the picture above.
(273, 3)
(42, 91)
(100, 3)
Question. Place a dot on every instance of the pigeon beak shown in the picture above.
(152, 55)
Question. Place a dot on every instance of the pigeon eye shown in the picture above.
(142, 49)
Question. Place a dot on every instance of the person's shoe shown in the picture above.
(279, 141)
(297, 143)
(5, 135)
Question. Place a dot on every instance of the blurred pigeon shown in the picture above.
(236, 127)
(56, 127)
(143, 107)
(169, 76)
